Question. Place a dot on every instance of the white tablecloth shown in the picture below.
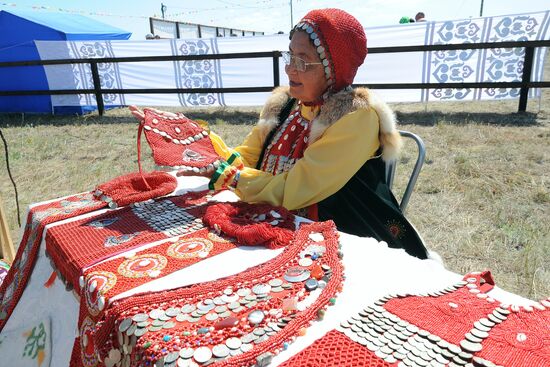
(372, 270)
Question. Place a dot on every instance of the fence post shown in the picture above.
(276, 81)
(97, 88)
(526, 77)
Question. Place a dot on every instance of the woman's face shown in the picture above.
(309, 85)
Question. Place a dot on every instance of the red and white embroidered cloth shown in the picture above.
(38, 217)
(459, 325)
(87, 252)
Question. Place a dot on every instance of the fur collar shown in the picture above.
(334, 108)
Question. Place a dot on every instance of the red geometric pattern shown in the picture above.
(460, 325)
(178, 142)
(522, 340)
(335, 349)
(154, 262)
(451, 315)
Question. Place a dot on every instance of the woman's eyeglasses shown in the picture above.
(296, 62)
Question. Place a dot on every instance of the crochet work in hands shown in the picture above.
(178, 142)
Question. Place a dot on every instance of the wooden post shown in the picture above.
(7, 251)
(97, 87)
(526, 78)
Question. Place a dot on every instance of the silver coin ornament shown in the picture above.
(296, 274)
(233, 343)
(255, 317)
(201, 306)
(202, 354)
(311, 284)
(305, 261)
(261, 288)
(124, 325)
(186, 353)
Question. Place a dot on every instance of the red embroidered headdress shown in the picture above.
(341, 43)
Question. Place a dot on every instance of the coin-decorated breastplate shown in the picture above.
(241, 320)
(458, 326)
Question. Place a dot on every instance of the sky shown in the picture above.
(269, 16)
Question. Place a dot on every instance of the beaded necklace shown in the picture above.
(288, 143)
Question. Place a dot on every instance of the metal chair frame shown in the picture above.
(391, 166)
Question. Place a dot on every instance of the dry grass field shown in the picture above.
(482, 200)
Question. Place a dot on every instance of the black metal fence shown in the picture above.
(98, 91)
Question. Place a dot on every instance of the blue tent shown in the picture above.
(18, 31)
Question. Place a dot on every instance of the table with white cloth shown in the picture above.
(372, 270)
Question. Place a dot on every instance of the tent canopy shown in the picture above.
(24, 26)
(19, 30)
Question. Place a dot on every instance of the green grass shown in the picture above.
(482, 200)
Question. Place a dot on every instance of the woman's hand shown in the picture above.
(140, 114)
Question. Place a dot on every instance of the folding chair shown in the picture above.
(390, 169)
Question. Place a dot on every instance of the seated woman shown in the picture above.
(319, 147)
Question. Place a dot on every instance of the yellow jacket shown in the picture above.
(346, 131)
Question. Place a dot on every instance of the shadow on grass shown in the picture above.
(232, 117)
(213, 116)
(463, 118)
(249, 116)
(19, 120)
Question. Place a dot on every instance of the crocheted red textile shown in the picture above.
(110, 278)
(499, 335)
(344, 42)
(79, 244)
(522, 340)
(131, 188)
(335, 349)
(252, 224)
(178, 142)
(115, 334)
(451, 315)
(38, 217)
